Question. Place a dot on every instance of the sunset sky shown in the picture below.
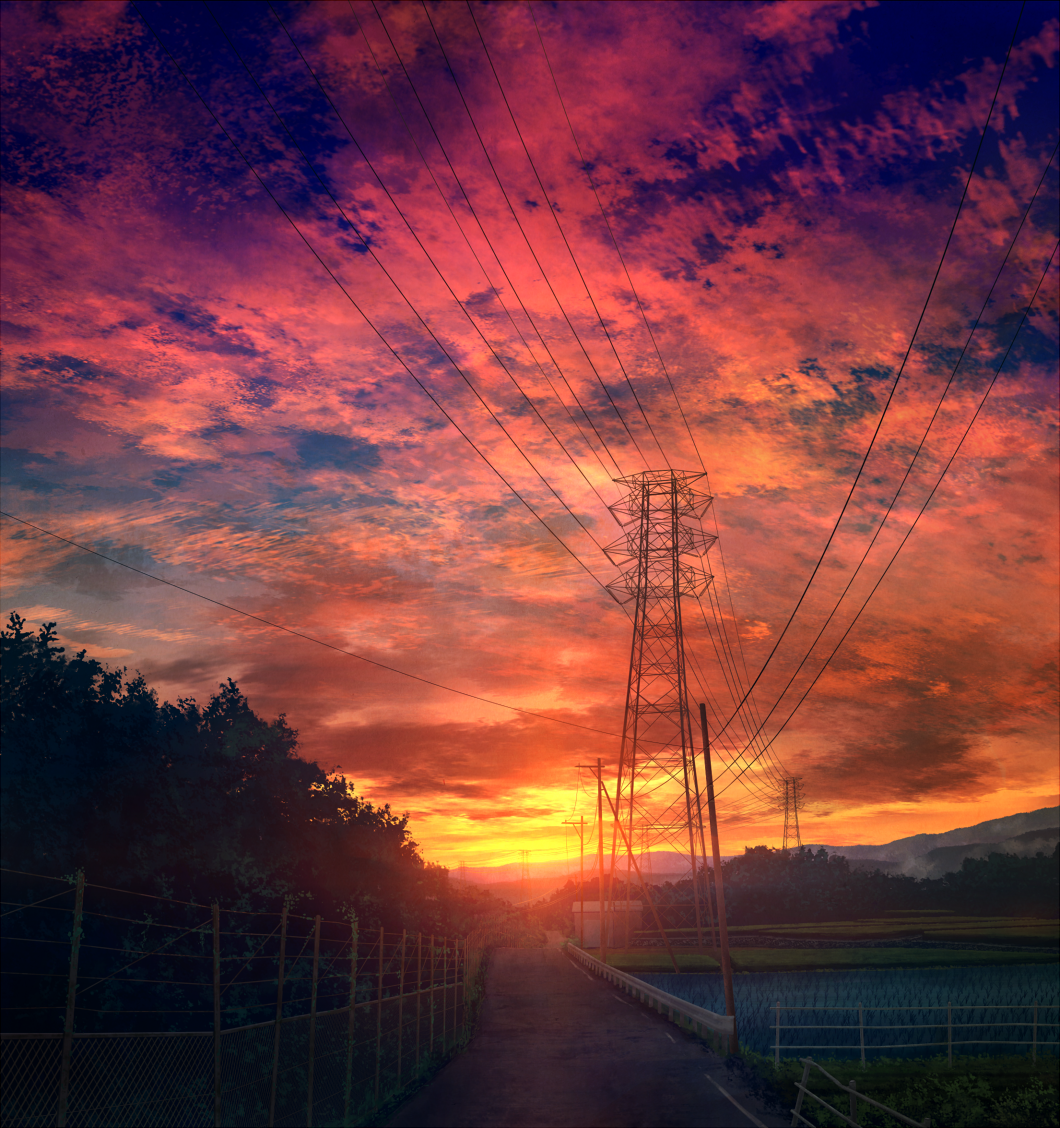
(300, 300)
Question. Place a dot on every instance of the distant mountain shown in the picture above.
(922, 855)
(505, 881)
(931, 855)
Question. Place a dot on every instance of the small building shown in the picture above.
(624, 918)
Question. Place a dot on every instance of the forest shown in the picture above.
(201, 802)
(769, 886)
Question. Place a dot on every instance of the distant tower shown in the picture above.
(791, 798)
(462, 873)
(525, 894)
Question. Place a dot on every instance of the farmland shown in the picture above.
(905, 924)
(928, 991)
(636, 960)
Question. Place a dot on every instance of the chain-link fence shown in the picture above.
(340, 1022)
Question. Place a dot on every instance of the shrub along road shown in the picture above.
(555, 1046)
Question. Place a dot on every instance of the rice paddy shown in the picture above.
(1000, 1015)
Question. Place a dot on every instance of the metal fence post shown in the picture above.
(312, 1024)
(776, 1048)
(949, 1034)
(861, 1032)
(419, 993)
(401, 1004)
(1034, 1036)
(379, 1016)
(216, 1016)
(71, 1000)
(445, 995)
(430, 1031)
(350, 1033)
(279, 1015)
(806, 1063)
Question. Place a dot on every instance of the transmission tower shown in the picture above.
(790, 794)
(657, 801)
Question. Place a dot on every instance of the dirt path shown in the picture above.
(556, 1046)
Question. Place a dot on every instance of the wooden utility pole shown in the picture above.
(580, 828)
(719, 886)
(600, 856)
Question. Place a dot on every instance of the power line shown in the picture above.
(371, 250)
(423, 387)
(302, 634)
(563, 234)
(618, 250)
(489, 282)
(916, 519)
(540, 265)
(726, 645)
(898, 377)
(920, 447)
(471, 207)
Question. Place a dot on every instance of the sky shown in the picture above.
(348, 315)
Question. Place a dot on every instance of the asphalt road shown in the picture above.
(557, 1046)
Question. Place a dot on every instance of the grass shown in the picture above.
(816, 959)
(933, 925)
(977, 1092)
(635, 960)
(1042, 935)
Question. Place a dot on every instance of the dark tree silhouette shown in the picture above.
(209, 803)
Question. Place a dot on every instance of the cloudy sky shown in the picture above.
(348, 315)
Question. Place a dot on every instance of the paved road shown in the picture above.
(557, 1046)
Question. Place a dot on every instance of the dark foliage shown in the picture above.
(204, 803)
(767, 886)
(764, 886)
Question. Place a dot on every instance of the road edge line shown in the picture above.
(725, 1092)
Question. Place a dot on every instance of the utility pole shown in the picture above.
(719, 884)
(600, 854)
(657, 799)
(579, 826)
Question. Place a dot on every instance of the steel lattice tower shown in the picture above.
(792, 801)
(657, 800)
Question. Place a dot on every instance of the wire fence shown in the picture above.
(1028, 1027)
(186, 1014)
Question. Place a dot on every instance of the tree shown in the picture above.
(212, 801)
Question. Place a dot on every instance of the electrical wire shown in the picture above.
(302, 634)
(584, 164)
(349, 297)
(540, 265)
(563, 235)
(920, 513)
(901, 370)
(524, 305)
(460, 229)
(370, 249)
(920, 446)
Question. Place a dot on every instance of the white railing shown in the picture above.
(796, 1113)
(677, 1010)
(1031, 1025)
